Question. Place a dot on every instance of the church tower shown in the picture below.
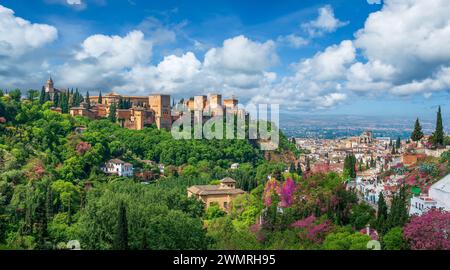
(49, 86)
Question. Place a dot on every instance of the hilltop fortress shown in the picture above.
(136, 112)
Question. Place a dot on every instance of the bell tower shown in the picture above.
(49, 86)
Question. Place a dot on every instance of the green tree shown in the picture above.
(88, 100)
(121, 237)
(32, 95)
(56, 100)
(438, 135)
(393, 239)
(398, 216)
(292, 168)
(398, 143)
(100, 98)
(112, 113)
(350, 166)
(417, 134)
(213, 212)
(381, 214)
(362, 214)
(299, 169)
(42, 96)
(15, 95)
(64, 103)
(346, 241)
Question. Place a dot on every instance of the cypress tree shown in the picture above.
(417, 134)
(121, 238)
(438, 135)
(42, 96)
(381, 214)
(299, 169)
(398, 216)
(47, 97)
(56, 100)
(292, 168)
(112, 113)
(65, 102)
(100, 98)
(88, 100)
(398, 143)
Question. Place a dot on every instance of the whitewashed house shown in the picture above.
(438, 197)
(235, 166)
(119, 167)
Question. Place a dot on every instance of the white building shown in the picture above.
(438, 197)
(235, 166)
(119, 167)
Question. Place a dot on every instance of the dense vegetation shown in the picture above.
(52, 191)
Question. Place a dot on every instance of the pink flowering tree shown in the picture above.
(429, 231)
(288, 189)
(312, 230)
(83, 147)
(271, 192)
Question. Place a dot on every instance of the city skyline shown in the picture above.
(318, 57)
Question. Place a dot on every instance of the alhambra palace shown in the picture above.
(155, 109)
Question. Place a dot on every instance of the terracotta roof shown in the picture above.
(116, 160)
(214, 190)
(228, 180)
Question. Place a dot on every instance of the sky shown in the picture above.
(370, 57)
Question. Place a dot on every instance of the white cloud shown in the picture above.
(292, 40)
(402, 50)
(115, 51)
(326, 22)
(374, 2)
(412, 38)
(18, 36)
(101, 60)
(239, 66)
(330, 64)
(239, 54)
(74, 2)
(315, 82)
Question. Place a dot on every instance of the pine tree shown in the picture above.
(112, 113)
(100, 98)
(438, 135)
(308, 165)
(121, 237)
(417, 134)
(42, 96)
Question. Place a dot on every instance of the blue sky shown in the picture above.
(327, 57)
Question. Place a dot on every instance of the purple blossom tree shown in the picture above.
(271, 189)
(431, 231)
(287, 193)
